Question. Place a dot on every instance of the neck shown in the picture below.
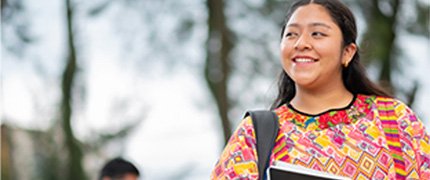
(315, 101)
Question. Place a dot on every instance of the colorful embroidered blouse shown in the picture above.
(352, 142)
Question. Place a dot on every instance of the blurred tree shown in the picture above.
(6, 161)
(242, 53)
(385, 20)
(15, 24)
(58, 154)
(74, 151)
(217, 66)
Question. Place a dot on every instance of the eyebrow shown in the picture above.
(311, 25)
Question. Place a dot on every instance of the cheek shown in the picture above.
(329, 52)
(286, 52)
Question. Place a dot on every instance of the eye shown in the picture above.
(290, 34)
(318, 34)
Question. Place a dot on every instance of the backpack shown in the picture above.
(266, 128)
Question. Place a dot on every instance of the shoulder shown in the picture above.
(238, 158)
(244, 133)
(393, 105)
(408, 122)
(243, 139)
(391, 109)
(400, 109)
(380, 101)
(246, 127)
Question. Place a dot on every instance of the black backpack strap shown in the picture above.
(266, 129)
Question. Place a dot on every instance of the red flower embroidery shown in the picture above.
(323, 121)
(335, 119)
(347, 120)
(340, 116)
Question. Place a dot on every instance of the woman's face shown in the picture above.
(311, 48)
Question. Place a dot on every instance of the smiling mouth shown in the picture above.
(304, 60)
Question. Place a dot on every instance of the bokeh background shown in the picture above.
(163, 83)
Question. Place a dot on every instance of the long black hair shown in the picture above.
(353, 76)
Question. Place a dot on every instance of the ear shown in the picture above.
(348, 53)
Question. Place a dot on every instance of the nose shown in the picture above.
(302, 43)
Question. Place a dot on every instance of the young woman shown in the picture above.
(331, 117)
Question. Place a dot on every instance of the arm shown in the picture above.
(415, 142)
(238, 160)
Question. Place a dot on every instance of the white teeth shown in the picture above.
(304, 60)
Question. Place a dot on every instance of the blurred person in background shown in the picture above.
(332, 118)
(119, 169)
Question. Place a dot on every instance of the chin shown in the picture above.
(305, 85)
(304, 82)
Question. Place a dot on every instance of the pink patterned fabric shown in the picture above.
(348, 142)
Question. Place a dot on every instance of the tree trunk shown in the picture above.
(379, 40)
(217, 66)
(7, 171)
(74, 152)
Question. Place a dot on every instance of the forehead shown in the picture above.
(311, 14)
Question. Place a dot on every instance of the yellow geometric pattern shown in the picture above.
(356, 147)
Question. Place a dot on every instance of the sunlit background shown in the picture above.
(163, 83)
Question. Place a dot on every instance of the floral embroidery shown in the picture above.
(348, 142)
